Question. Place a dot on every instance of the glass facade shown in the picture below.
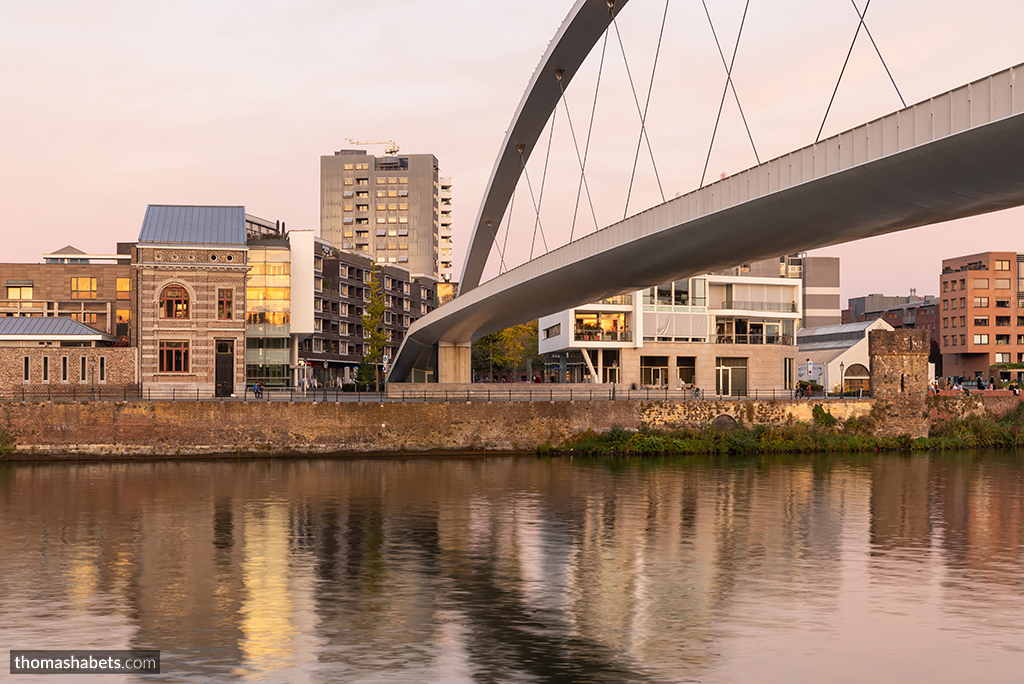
(268, 316)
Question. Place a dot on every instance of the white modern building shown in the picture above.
(723, 333)
(837, 356)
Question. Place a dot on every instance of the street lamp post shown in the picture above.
(842, 379)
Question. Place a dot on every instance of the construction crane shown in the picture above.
(390, 148)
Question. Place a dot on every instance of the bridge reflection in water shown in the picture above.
(504, 569)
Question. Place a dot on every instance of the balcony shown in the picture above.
(619, 300)
(602, 336)
(775, 307)
(752, 339)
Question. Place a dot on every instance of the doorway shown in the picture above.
(224, 368)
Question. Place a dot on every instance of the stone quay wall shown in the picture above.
(161, 429)
(170, 429)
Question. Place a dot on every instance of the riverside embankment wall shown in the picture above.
(161, 429)
(200, 428)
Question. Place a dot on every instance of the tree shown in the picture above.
(489, 354)
(375, 333)
(520, 345)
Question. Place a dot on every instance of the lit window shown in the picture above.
(349, 207)
(173, 356)
(393, 193)
(174, 302)
(124, 288)
(348, 167)
(83, 288)
(381, 207)
(224, 310)
(382, 181)
(349, 181)
(1002, 266)
(382, 193)
(20, 292)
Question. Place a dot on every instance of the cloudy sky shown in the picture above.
(110, 105)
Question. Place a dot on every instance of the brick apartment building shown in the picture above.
(982, 316)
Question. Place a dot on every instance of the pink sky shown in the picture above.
(112, 105)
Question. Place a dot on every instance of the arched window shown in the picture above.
(174, 302)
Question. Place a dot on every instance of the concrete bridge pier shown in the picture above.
(454, 362)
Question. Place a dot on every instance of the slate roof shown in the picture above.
(176, 225)
(61, 326)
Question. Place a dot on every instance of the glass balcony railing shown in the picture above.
(779, 307)
(603, 336)
(619, 300)
(752, 339)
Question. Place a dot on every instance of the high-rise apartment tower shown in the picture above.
(395, 208)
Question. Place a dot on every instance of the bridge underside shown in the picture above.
(976, 171)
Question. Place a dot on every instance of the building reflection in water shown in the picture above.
(513, 568)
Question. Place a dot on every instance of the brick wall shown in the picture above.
(119, 364)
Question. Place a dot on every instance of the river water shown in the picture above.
(521, 569)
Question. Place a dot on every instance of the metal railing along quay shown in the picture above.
(513, 392)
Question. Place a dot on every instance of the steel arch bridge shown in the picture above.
(958, 154)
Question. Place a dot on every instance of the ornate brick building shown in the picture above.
(190, 266)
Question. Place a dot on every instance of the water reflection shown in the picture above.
(833, 568)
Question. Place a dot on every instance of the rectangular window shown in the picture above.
(981, 283)
(654, 370)
(124, 288)
(19, 292)
(1002, 358)
(1002, 283)
(945, 340)
(945, 322)
(46, 369)
(103, 369)
(349, 181)
(1002, 265)
(981, 302)
(945, 286)
(981, 320)
(1002, 321)
(1002, 303)
(25, 376)
(82, 374)
(83, 288)
(173, 356)
(63, 369)
(224, 308)
(963, 302)
(963, 340)
(981, 339)
(1003, 339)
(954, 340)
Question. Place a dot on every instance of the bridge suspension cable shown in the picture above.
(643, 117)
(725, 90)
(861, 23)
(639, 111)
(590, 130)
(877, 51)
(537, 204)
